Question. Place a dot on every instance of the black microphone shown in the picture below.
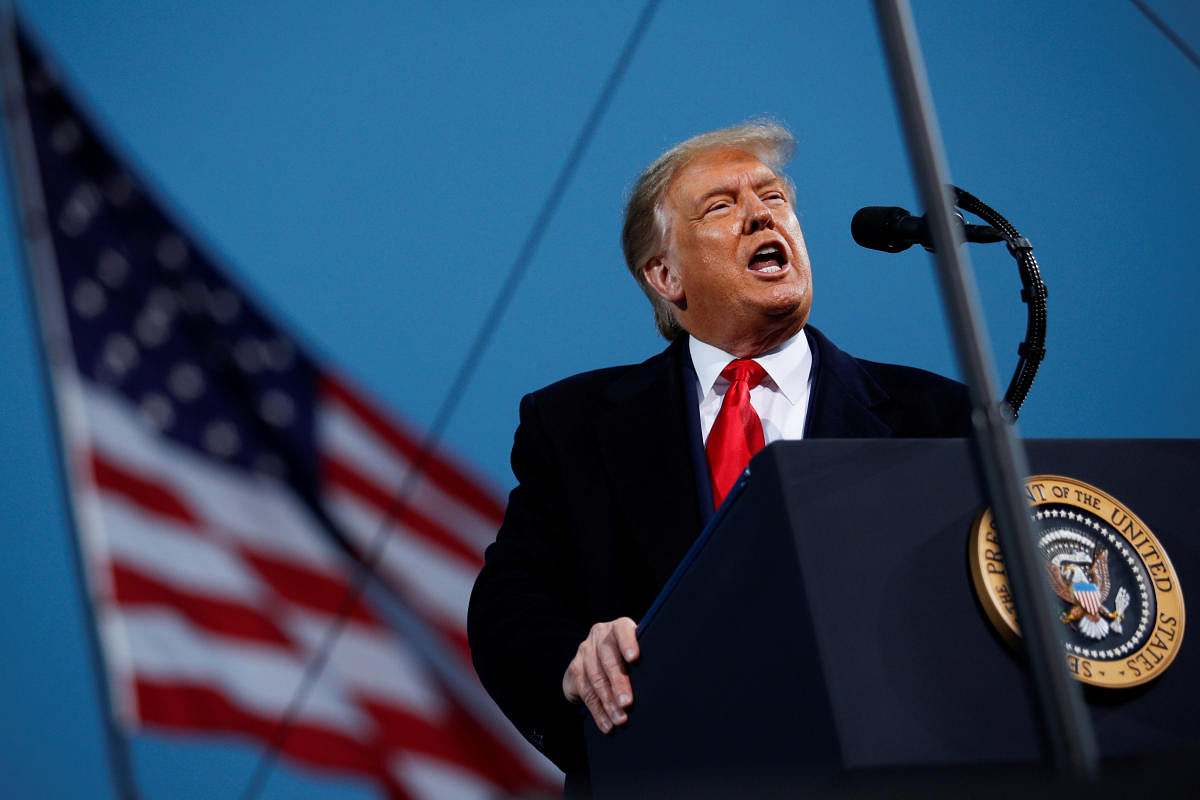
(892, 229)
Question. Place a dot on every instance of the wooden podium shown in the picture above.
(825, 625)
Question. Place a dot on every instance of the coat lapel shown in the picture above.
(643, 436)
(843, 396)
(645, 431)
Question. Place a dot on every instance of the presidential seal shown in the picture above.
(1119, 598)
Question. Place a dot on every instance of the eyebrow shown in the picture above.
(731, 189)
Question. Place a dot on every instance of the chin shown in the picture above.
(795, 304)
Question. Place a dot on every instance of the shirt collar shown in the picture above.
(788, 365)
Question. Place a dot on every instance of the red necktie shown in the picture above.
(737, 433)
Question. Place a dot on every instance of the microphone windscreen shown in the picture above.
(875, 227)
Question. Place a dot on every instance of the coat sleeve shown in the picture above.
(524, 622)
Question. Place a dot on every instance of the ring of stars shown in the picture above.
(1124, 551)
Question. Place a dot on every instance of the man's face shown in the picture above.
(734, 264)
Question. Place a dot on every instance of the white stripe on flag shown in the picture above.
(261, 512)
(172, 553)
(260, 678)
(441, 584)
(373, 663)
(341, 435)
(428, 777)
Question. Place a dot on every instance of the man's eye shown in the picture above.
(775, 196)
(717, 206)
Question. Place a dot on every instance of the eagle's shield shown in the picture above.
(1088, 596)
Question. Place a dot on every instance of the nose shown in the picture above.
(758, 216)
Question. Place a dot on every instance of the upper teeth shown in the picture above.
(768, 252)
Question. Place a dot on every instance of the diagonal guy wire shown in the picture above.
(366, 567)
(1175, 38)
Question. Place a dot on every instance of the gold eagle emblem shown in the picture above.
(1086, 590)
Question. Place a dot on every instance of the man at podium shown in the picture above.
(619, 469)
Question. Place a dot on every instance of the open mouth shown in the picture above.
(768, 259)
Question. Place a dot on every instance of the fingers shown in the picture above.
(605, 672)
(626, 633)
(597, 677)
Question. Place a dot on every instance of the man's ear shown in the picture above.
(664, 279)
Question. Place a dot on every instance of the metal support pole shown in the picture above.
(1001, 459)
(30, 211)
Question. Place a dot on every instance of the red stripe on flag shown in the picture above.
(219, 616)
(189, 707)
(147, 494)
(303, 586)
(344, 476)
(459, 740)
(405, 731)
(454, 479)
(308, 589)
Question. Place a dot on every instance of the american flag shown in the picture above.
(224, 486)
(1088, 596)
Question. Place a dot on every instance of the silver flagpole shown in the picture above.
(1001, 459)
(57, 360)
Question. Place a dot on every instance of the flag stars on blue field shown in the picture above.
(153, 321)
(112, 268)
(156, 411)
(42, 80)
(66, 136)
(185, 382)
(81, 207)
(224, 305)
(277, 408)
(120, 355)
(281, 354)
(119, 189)
(249, 355)
(171, 251)
(268, 463)
(88, 298)
(195, 297)
(221, 438)
(152, 326)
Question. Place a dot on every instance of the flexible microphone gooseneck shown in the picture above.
(893, 229)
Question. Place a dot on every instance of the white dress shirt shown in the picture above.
(781, 400)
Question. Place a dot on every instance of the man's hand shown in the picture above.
(596, 676)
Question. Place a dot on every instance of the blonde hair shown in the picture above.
(645, 229)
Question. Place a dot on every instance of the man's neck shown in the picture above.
(753, 343)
